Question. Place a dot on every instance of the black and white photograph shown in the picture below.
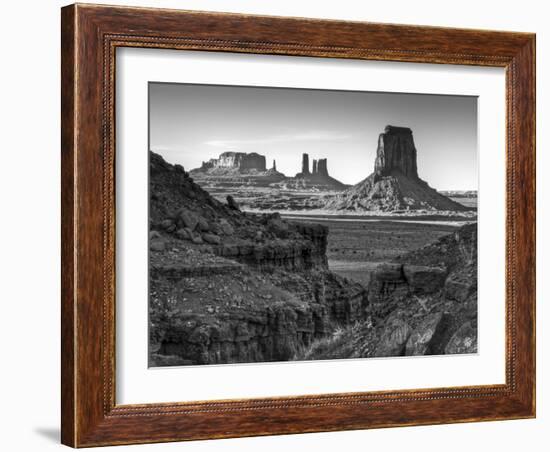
(292, 224)
(275, 226)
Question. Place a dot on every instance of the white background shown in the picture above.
(30, 227)
(137, 384)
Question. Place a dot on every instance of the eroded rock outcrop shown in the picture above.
(421, 290)
(318, 178)
(236, 169)
(305, 165)
(249, 317)
(230, 286)
(240, 161)
(413, 306)
(394, 185)
(396, 152)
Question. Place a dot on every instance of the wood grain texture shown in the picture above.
(67, 226)
(90, 36)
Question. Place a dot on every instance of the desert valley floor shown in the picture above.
(357, 245)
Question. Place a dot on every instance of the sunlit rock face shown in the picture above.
(237, 160)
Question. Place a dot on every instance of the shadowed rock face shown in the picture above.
(228, 286)
(317, 178)
(413, 305)
(305, 164)
(322, 167)
(425, 281)
(396, 152)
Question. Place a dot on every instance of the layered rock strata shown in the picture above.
(425, 303)
(438, 281)
(229, 286)
(256, 317)
(240, 161)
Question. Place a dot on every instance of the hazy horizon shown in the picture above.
(189, 124)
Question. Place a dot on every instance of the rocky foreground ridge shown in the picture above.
(424, 303)
(228, 286)
(394, 185)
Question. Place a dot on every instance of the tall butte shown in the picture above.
(394, 185)
(396, 152)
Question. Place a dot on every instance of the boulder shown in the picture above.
(211, 238)
(226, 228)
(184, 234)
(424, 279)
(154, 235)
(394, 336)
(426, 338)
(187, 219)
(463, 341)
(215, 228)
(167, 224)
(197, 239)
(278, 226)
(460, 288)
(203, 225)
(232, 203)
(157, 245)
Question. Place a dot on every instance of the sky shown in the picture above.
(191, 123)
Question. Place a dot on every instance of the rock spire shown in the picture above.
(305, 164)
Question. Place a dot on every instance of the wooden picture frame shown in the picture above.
(90, 35)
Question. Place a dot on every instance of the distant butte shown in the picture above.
(394, 185)
(237, 161)
(241, 168)
(318, 178)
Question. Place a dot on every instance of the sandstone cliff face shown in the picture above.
(256, 316)
(394, 185)
(424, 303)
(396, 153)
(237, 169)
(440, 281)
(228, 286)
(305, 164)
(182, 210)
(303, 253)
(240, 161)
